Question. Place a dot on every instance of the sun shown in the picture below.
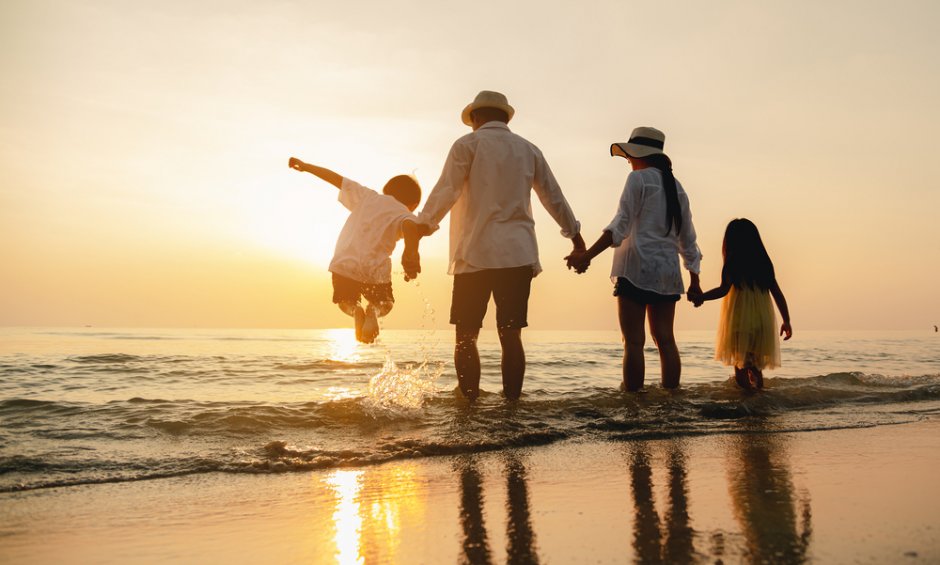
(296, 224)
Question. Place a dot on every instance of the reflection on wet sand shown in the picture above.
(764, 501)
(653, 541)
(775, 527)
(377, 514)
(520, 537)
(370, 509)
(475, 546)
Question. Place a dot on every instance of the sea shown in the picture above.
(88, 405)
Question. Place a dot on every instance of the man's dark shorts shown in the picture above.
(510, 291)
(623, 287)
(348, 290)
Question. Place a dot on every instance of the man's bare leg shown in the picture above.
(467, 362)
(513, 362)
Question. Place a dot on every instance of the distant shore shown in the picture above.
(833, 496)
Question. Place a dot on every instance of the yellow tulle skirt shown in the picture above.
(747, 330)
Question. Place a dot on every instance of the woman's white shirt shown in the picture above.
(645, 254)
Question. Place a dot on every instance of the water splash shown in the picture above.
(401, 391)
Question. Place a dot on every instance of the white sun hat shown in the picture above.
(644, 141)
(487, 99)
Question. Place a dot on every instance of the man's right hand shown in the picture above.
(296, 164)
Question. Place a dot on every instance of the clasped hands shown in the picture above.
(578, 260)
(411, 264)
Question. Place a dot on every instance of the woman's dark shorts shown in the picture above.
(348, 290)
(510, 291)
(625, 288)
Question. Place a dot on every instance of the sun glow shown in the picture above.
(300, 226)
(343, 345)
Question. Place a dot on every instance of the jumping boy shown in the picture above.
(361, 264)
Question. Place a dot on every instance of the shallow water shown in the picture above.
(90, 405)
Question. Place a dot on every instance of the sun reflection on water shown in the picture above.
(343, 345)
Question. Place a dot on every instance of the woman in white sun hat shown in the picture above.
(651, 230)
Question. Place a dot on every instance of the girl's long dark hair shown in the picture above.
(747, 263)
(673, 210)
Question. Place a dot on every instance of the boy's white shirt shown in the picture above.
(367, 240)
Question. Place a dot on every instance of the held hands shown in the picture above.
(411, 263)
(786, 329)
(578, 260)
(695, 296)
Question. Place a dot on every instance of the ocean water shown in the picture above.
(80, 406)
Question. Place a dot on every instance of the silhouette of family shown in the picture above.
(486, 186)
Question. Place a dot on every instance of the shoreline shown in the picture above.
(864, 494)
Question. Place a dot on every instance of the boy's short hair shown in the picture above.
(403, 188)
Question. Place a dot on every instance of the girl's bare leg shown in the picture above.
(755, 376)
(632, 315)
(662, 317)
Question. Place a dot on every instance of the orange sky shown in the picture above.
(143, 177)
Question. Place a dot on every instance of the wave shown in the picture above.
(718, 400)
(69, 443)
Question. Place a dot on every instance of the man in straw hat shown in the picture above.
(486, 184)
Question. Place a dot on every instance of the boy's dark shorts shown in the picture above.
(625, 288)
(346, 289)
(510, 291)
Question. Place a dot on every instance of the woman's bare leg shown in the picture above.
(662, 317)
(632, 317)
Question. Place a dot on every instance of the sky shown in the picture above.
(144, 148)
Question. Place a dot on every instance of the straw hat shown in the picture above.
(487, 99)
(644, 141)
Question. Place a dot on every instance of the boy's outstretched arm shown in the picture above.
(324, 173)
(410, 258)
(785, 329)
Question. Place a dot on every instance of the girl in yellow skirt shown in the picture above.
(747, 331)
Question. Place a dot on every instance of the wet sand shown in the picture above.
(857, 495)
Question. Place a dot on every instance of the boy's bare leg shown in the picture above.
(382, 308)
(359, 315)
(467, 362)
(513, 362)
(375, 310)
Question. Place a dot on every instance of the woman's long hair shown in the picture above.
(673, 210)
(747, 263)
